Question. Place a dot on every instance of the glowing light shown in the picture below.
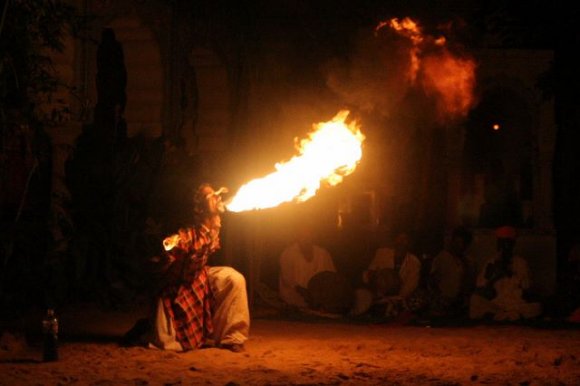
(171, 242)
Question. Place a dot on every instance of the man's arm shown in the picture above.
(327, 262)
(286, 278)
(411, 279)
(522, 272)
(491, 272)
(376, 263)
(288, 287)
(435, 274)
(189, 252)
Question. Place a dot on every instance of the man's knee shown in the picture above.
(236, 279)
(231, 278)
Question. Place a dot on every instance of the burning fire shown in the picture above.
(329, 153)
(451, 79)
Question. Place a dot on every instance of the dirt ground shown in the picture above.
(315, 352)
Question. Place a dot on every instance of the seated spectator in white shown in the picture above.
(502, 284)
(299, 263)
(394, 272)
(391, 278)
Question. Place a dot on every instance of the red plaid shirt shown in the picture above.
(188, 301)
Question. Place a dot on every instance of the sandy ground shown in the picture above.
(283, 352)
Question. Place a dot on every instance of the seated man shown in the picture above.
(199, 305)
(451, 276)
(502, 284)
(393, 275)
(308, 278)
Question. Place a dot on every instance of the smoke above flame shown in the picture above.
(400, 56)
(452, 80)
(447, 77)
(328, 154)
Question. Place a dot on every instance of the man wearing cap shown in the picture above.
(502, 283)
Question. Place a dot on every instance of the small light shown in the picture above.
(496, 126)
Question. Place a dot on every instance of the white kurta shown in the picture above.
(231, 316)
(296, 271)
(409, 273)
(508, 303)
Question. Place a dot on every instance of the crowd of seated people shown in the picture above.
(454, 286)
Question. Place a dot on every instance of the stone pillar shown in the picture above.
(454, 152)
(62, 140)
(544, 158)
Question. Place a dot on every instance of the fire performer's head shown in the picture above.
(208, 205)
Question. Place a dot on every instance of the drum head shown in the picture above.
(331, 292)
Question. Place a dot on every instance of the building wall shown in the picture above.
(517, 71)
(520, 70)
(209, 133)
(145, 76)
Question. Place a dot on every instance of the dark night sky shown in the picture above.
(531, 24)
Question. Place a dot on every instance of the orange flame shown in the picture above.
(331, 152)
(448, 77)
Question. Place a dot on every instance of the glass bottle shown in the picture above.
(50, 334)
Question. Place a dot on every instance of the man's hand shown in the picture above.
(496, 271)
(170, 242)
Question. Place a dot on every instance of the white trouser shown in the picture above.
(479, 306)
(231, 317)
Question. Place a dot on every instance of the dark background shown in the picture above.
(112, 221)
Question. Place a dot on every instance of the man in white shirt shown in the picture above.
(502, 282)
(299, 263)
(392, 277)
(398, 260)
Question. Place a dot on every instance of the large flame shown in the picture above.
(329, 153)
(448, 77)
